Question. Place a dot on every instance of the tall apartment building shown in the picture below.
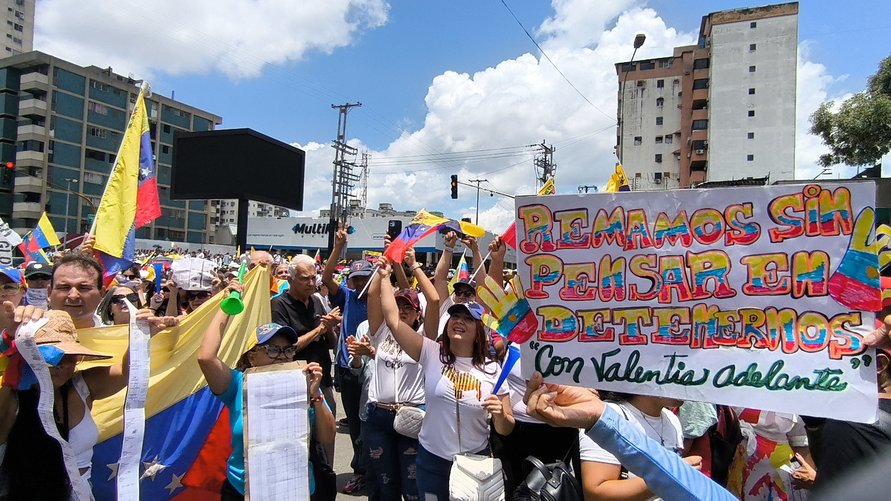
(226, 211)
(720, 110)
(19, 27)
(62, 124)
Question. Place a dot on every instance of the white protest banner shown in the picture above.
(757, 297)
(8, 240)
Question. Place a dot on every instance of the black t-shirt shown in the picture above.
(303, 318)
(844, 445)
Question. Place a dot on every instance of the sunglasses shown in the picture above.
(462, 292)
(274, 351)
(198, 295)
(129, 277)
(119, 299)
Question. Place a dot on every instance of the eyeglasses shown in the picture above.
(275, 351)
(462, 292)
(8, 289)
(407, 308)
(198, 295)
(129, 277)
(119, 299)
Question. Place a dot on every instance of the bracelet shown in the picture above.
(315, 400)
(416, 266)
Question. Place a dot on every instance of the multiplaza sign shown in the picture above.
(309, 234)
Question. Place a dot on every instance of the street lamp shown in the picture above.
(68, 203)
(639, 40)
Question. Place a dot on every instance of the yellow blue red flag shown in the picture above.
(130, 200)
(618, 181)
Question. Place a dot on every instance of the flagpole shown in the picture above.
(373, 271)
(142, 88)
(479, 267)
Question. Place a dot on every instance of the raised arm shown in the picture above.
(441, 275)
(340, 241)
(431, 312)
(407, 338)
(478, 264)
(216, 372)
(497, 249)
(375, 313)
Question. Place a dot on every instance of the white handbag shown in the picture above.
(474, 477)
(408, 421)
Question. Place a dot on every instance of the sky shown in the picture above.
(447, 87)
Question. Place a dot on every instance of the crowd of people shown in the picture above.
(394, 339)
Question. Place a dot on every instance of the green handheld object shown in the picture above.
(233, 305)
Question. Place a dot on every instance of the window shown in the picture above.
(699, 64)
(98, 132)
(657, 178)
(100, 109)
(666, 63)
(752, 47)
(658, 139)
(659, 102)
(751, 69)
(750, 158)
(165, 148)
(637, 140)
(751, 113)
(647, 65)
(92, 177)
(660, 83)
(750, 135)
(753, 24)
(18, 27)
(700, 83)
(165, 128)
(751, 91)
(658, 158)
(658, 120)
(17, 40)
(668, 139)
(700, 124)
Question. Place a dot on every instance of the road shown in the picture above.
(343, 453)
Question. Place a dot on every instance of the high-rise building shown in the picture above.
(61, 124)
(19, 28)
(720, 110)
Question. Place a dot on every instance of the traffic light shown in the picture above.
(8, 174)
(454, 186)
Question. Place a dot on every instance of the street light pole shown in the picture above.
(68, 203)
(477, 181)
(639, 40)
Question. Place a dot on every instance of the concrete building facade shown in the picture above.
(19, 27)
(728, 103)
(61, 125)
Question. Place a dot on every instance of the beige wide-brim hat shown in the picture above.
(59, 331)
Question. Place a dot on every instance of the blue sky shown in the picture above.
(434, 77)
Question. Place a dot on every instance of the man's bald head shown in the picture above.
(260, 257)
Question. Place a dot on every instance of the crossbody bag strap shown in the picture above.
(457, 418)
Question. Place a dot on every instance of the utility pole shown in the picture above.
(343, 179)
(364, 184)
(545, 168)
(477, 181)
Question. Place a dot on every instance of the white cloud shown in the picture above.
(235, 37)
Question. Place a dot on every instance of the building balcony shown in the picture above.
(701, 114)
(29, 157)
(701, 73)
(32, 107)
(27, 210)
(700, 94)
(34, 80)
(28, 184)
(32, 132)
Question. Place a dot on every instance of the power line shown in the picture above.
(546, 56)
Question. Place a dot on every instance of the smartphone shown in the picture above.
(394, 228)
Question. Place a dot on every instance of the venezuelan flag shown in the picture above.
(461, 273)
(187, 436)
(464, 227)
(421, 225)
(130, 200)
(43, 234)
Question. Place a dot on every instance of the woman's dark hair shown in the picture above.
(33, 466)
(480, 346)
(244, 361)
(104, 309)
(615, 396)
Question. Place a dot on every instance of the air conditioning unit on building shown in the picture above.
(700, 152)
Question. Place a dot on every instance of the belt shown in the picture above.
(394, 407)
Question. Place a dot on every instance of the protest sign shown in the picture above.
(756, 297)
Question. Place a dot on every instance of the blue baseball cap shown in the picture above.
(474, 309)
(266, 331)
(13, 274)
(360, 268)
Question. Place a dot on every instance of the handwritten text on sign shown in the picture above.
(746, 296)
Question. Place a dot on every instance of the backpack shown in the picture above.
(548, 482)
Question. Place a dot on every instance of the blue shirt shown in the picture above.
(355, 311)
(233, 399)
(666, 473)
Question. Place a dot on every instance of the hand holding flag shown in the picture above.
(511, 316)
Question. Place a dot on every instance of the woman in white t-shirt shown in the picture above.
(458, 382)
(603, 477)
(397, 380)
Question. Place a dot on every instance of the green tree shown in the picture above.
(858, 132)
